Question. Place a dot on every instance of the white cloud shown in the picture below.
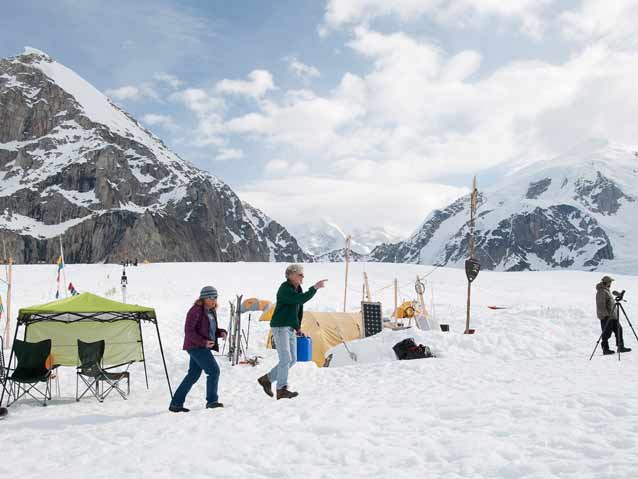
(454, 13)
(127, 92)
(421, 113)
(131, 92)
(165, 121)
(613, 23)
(349, 203)
(170, 80)
(303, 71)
(259, 82)
(279, 167)
(226, 154)
(209, 110)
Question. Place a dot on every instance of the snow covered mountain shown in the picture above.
(72, 162)
(326, 236)
(577, 211)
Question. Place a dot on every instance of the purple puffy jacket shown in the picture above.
(197, 329)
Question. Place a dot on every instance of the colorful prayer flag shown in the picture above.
(60, 264)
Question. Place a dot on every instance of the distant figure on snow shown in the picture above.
(285, 326)
(608, 320)
(200, 337)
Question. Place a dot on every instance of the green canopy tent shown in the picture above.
(90, 318)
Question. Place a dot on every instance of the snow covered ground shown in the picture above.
(519, 399)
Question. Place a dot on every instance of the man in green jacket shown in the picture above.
(285, 325)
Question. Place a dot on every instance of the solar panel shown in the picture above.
(372, 318)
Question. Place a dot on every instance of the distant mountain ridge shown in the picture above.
(576, 211)
(73, 163)
(323, 236)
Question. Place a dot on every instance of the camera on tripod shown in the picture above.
(619, 296)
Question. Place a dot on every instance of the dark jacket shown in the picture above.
(197, 329)
(289, 308)
(604, 302)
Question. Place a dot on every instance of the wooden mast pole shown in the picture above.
(345, 288)
(469, 283)
(367, 287)
(396, 294)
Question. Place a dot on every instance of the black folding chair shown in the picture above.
(31, 370)
(95, 376)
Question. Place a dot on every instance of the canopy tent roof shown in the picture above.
(85, 307)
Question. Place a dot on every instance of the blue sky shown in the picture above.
(363, 112)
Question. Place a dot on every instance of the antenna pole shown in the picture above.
(473, 199)
(345, 289)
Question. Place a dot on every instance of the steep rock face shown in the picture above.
(600, 195)
(72, 163)
(572, 212)
(338, 256)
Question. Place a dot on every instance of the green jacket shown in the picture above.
(289, 308)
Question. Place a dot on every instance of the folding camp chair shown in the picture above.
(94, 375)
(31, 369)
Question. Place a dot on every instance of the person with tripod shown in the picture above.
(609, 321)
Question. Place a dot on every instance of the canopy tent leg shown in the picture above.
(139, 323)
(6, 379)
(159, 339)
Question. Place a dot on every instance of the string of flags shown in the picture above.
(60, 268)
(72, 290)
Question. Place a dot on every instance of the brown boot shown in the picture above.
(266, 384)
(283, 393)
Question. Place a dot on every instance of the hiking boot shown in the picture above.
(214, 405)
(607, 352)
(622, 349)
(178, 409)
(266, 384)
(283, 393)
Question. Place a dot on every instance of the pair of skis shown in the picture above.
(237, 337)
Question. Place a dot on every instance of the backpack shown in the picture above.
(407, 349)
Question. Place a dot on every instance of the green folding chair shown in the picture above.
(100, 381)
(31, 370)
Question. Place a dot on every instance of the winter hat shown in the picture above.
(294, 269)
(208, 292)
(606, 279)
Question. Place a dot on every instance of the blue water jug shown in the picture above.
(304, 348)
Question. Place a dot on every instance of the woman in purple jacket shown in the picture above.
(201, 333)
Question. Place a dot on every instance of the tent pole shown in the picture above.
(66, 284)
(4, 387)
(159, 338)
(7, 332)
(139, 323)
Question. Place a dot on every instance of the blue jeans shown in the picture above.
(202, 359)
(286, 344)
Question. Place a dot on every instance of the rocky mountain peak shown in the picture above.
(570, 212)
(72, 162)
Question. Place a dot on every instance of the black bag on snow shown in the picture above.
(407, 349)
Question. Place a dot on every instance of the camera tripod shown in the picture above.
(618, 308)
